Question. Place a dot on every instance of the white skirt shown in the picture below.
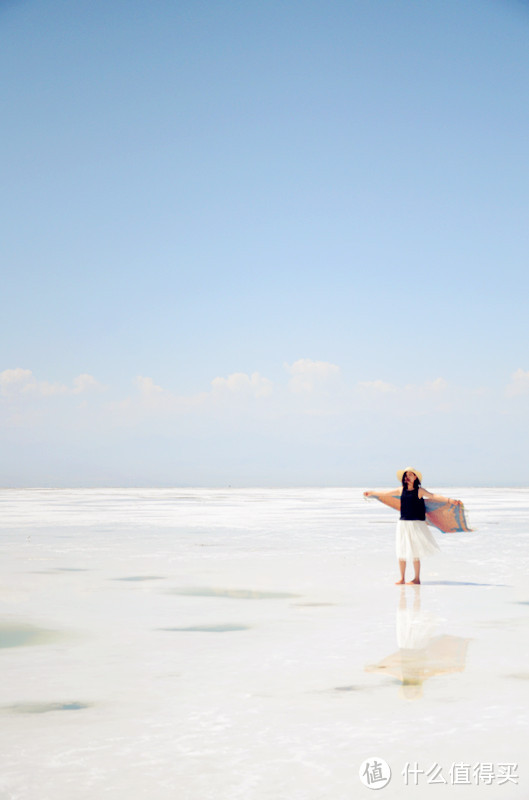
(414, 540)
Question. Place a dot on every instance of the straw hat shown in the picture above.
(400, 473)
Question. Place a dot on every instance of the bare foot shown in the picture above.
(417, 583)
(399, 582)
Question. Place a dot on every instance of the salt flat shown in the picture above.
(228, 643)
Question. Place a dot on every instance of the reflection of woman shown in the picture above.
(415, 631)
(414, 538)
(421, 653)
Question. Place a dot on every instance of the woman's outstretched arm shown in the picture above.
(391, 493)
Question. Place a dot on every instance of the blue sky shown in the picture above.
(276, 243)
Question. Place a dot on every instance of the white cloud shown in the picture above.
(153, 400)
(85, 383)
(14, 380)
(242, 383)
(519, 383)
(308, 375)
(409, 399)
(17, 382)
(378, 386)
(382, 387)
(148, 388)
(438, 385)
(157, 398)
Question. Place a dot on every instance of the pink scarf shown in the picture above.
(446, 515)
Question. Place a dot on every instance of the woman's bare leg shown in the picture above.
(417, 571)
(402, 566)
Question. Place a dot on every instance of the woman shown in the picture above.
(414, 539)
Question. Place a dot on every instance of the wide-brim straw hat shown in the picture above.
(400, 473)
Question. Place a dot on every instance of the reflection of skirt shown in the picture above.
(414, 540)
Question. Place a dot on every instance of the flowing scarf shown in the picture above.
(446, 515)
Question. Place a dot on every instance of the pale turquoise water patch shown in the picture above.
(58, 570)
(313, 605)
(237, 594)
(346, 688)
(141, 578)
(343, 689)
(72, 569)
(45, 708)
(26, 635)
(210, 628)
(44, 572)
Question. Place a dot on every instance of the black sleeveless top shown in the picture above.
(411, 507)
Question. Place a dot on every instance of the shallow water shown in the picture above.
(232, 644)
(13, 635)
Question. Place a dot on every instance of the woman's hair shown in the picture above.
(416, 482)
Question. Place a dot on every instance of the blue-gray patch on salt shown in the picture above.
(136, 578)
(72, 569)
(460, 583)
(45, 708)
(313, 605)
(43, 572)
(234, 594)
(26, 635)
(225, 628)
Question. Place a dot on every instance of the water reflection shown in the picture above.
(222, 628)
(45, 708)
(12, 635)
(236, 594)
(422, 652)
